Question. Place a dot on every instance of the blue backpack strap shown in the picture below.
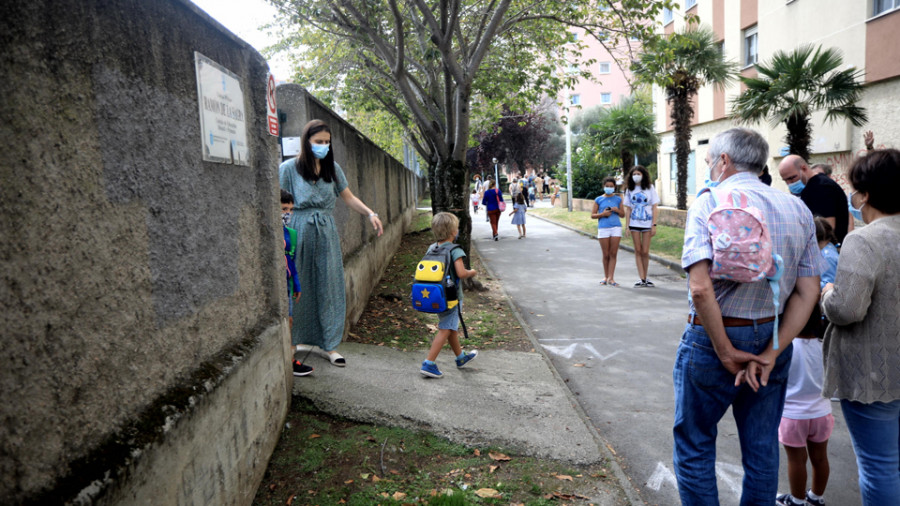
(776, 291)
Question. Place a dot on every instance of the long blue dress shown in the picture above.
(320, 314)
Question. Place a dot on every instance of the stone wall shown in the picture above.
(145, 352)
(379, 180)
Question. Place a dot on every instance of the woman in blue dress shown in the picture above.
(316, 181)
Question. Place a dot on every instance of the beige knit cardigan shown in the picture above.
(862, 343)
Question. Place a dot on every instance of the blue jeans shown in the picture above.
(875, 432)
(704, 390)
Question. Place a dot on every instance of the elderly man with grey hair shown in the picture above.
(726, 358)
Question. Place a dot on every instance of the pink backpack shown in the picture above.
(742, 246)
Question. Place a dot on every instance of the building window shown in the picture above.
(575, 99)
(689, 3)
(691, 170)
(573, 37)
(604, 67)
(606, 98)
(573, 69)
(751, 46)
(880, 6)
(667, 15)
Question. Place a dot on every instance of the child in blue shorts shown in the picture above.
(445, 227)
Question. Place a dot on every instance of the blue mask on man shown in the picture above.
(796, 187)
(857, 213)
(320, 151)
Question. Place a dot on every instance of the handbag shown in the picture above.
(501, 204)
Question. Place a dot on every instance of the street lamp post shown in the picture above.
(496, 175)
(569, 185)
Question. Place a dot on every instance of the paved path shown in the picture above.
(615, 349)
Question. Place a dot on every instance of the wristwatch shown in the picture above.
(373, 214)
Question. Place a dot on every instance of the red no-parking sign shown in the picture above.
(271, 108)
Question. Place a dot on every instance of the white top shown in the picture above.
(804, 399)
(641, 203)
(475, 199)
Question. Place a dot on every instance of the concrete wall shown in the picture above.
(379, 180)
(145, 353)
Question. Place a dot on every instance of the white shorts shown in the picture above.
(603, 233)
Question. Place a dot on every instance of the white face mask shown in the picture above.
(637, 178)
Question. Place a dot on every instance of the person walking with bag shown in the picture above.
(493, 203)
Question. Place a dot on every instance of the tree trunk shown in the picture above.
(799, 135)
(681, 119)
(450, 194)
(627, 161)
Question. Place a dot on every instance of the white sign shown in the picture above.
(271, 108)
(223, 118)
(290, 146)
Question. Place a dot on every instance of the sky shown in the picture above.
(243, 18)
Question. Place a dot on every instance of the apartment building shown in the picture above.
(612, 77)
(867, 32)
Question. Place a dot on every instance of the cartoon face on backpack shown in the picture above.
(430, 270)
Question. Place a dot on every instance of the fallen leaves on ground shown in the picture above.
(564, 477)
(577, 365)
(499, 457)
(491, 469)
(488, 493)
(314, 436)
(398, 495)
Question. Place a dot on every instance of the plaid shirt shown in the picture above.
(793, 235)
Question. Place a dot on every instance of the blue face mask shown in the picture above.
(608, 191)
(709, 183)
(320, 151)
(857, 213)
(796, 187)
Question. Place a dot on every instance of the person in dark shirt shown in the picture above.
(765, 177)
(821, 195)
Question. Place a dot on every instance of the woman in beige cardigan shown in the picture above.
(862, 344)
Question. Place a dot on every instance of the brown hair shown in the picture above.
(306, 162)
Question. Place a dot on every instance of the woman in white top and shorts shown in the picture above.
(641, 200)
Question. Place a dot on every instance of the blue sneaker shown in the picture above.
(430, 370)
(466, 358)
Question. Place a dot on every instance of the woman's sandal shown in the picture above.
(613, 284)
(336, 359)
(603, 282)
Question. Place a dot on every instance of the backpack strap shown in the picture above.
(776, 291)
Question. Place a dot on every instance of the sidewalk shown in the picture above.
(511, 399)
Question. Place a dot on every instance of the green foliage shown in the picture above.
(624, 130)
(793, 85)
(588, 171)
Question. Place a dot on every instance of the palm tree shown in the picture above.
(793, 85)
(625, 130)
(681, 64)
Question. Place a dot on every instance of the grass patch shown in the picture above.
(668, 241)
(390, 320)
(425, 202)
(325, 460)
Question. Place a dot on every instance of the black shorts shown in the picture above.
(639, 229)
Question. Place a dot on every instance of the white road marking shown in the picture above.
(562, 352)
(731, 475)
(569, 351)
(661, 475)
